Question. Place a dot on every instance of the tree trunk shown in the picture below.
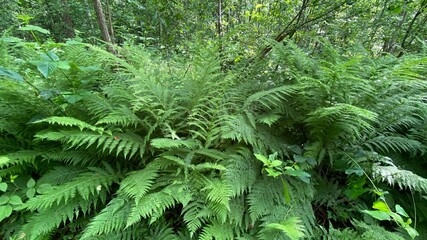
(103, 25)
(110, 22)
(69, 25)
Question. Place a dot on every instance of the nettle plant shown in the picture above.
(130, 146)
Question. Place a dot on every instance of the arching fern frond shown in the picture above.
(393, 143)
(85, 185)
(403, 178)
(111, 219)
(70, 122)
(340, 119)
(20, 157)
(137, 184)
(47, 220)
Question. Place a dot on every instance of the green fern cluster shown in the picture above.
(131, 146)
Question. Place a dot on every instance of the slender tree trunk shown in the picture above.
(411, 24)
(110, 22)
(69, 25)
(103, 25)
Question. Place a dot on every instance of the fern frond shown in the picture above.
(341, 119)
(403, 178)
(393, 143)
(167, 143)
(292, 227)
(218, 231)
(85, 185)
(111, 219)
(138, 183)
(195, 215)
(47, 220)
(71, 122)
(20, 157)
(122, 116)
(127, 144)
(270, 99)
(153, 204)
(60, 175)
(219, 192)
(72, 157)
(241, 174)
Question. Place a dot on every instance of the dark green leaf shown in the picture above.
(11, 74)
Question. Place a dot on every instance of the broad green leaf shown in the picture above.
(31, 192)
(275, 163)
(380, 215)
(46, 68)
(261, 158)
(3, 186)
(379, 205)
(52, 56)
(11, 74)
(411, 231)
(4, 199)
(304, 176)
(15, 200)
(299, 158)
(272, 172)
(358, 171)
(31, 183)
(5, 211)
(401, 211)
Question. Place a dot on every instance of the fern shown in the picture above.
(292, 227)
(47, 220)
(71, 122)
(111, 219)
(137, 184)
(403, 178)
(85, 185)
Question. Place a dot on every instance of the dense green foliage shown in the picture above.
(320, 134)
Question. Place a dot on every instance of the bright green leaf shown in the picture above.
(3, 187)
(15, 200)
(261, 158)
(31, 183)
(275, 163)
(412, 232)
(5, 211)
(4, 199)
(381, 206)
(401, 211)
(272, 172)
(31, 192)
(380, 215)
